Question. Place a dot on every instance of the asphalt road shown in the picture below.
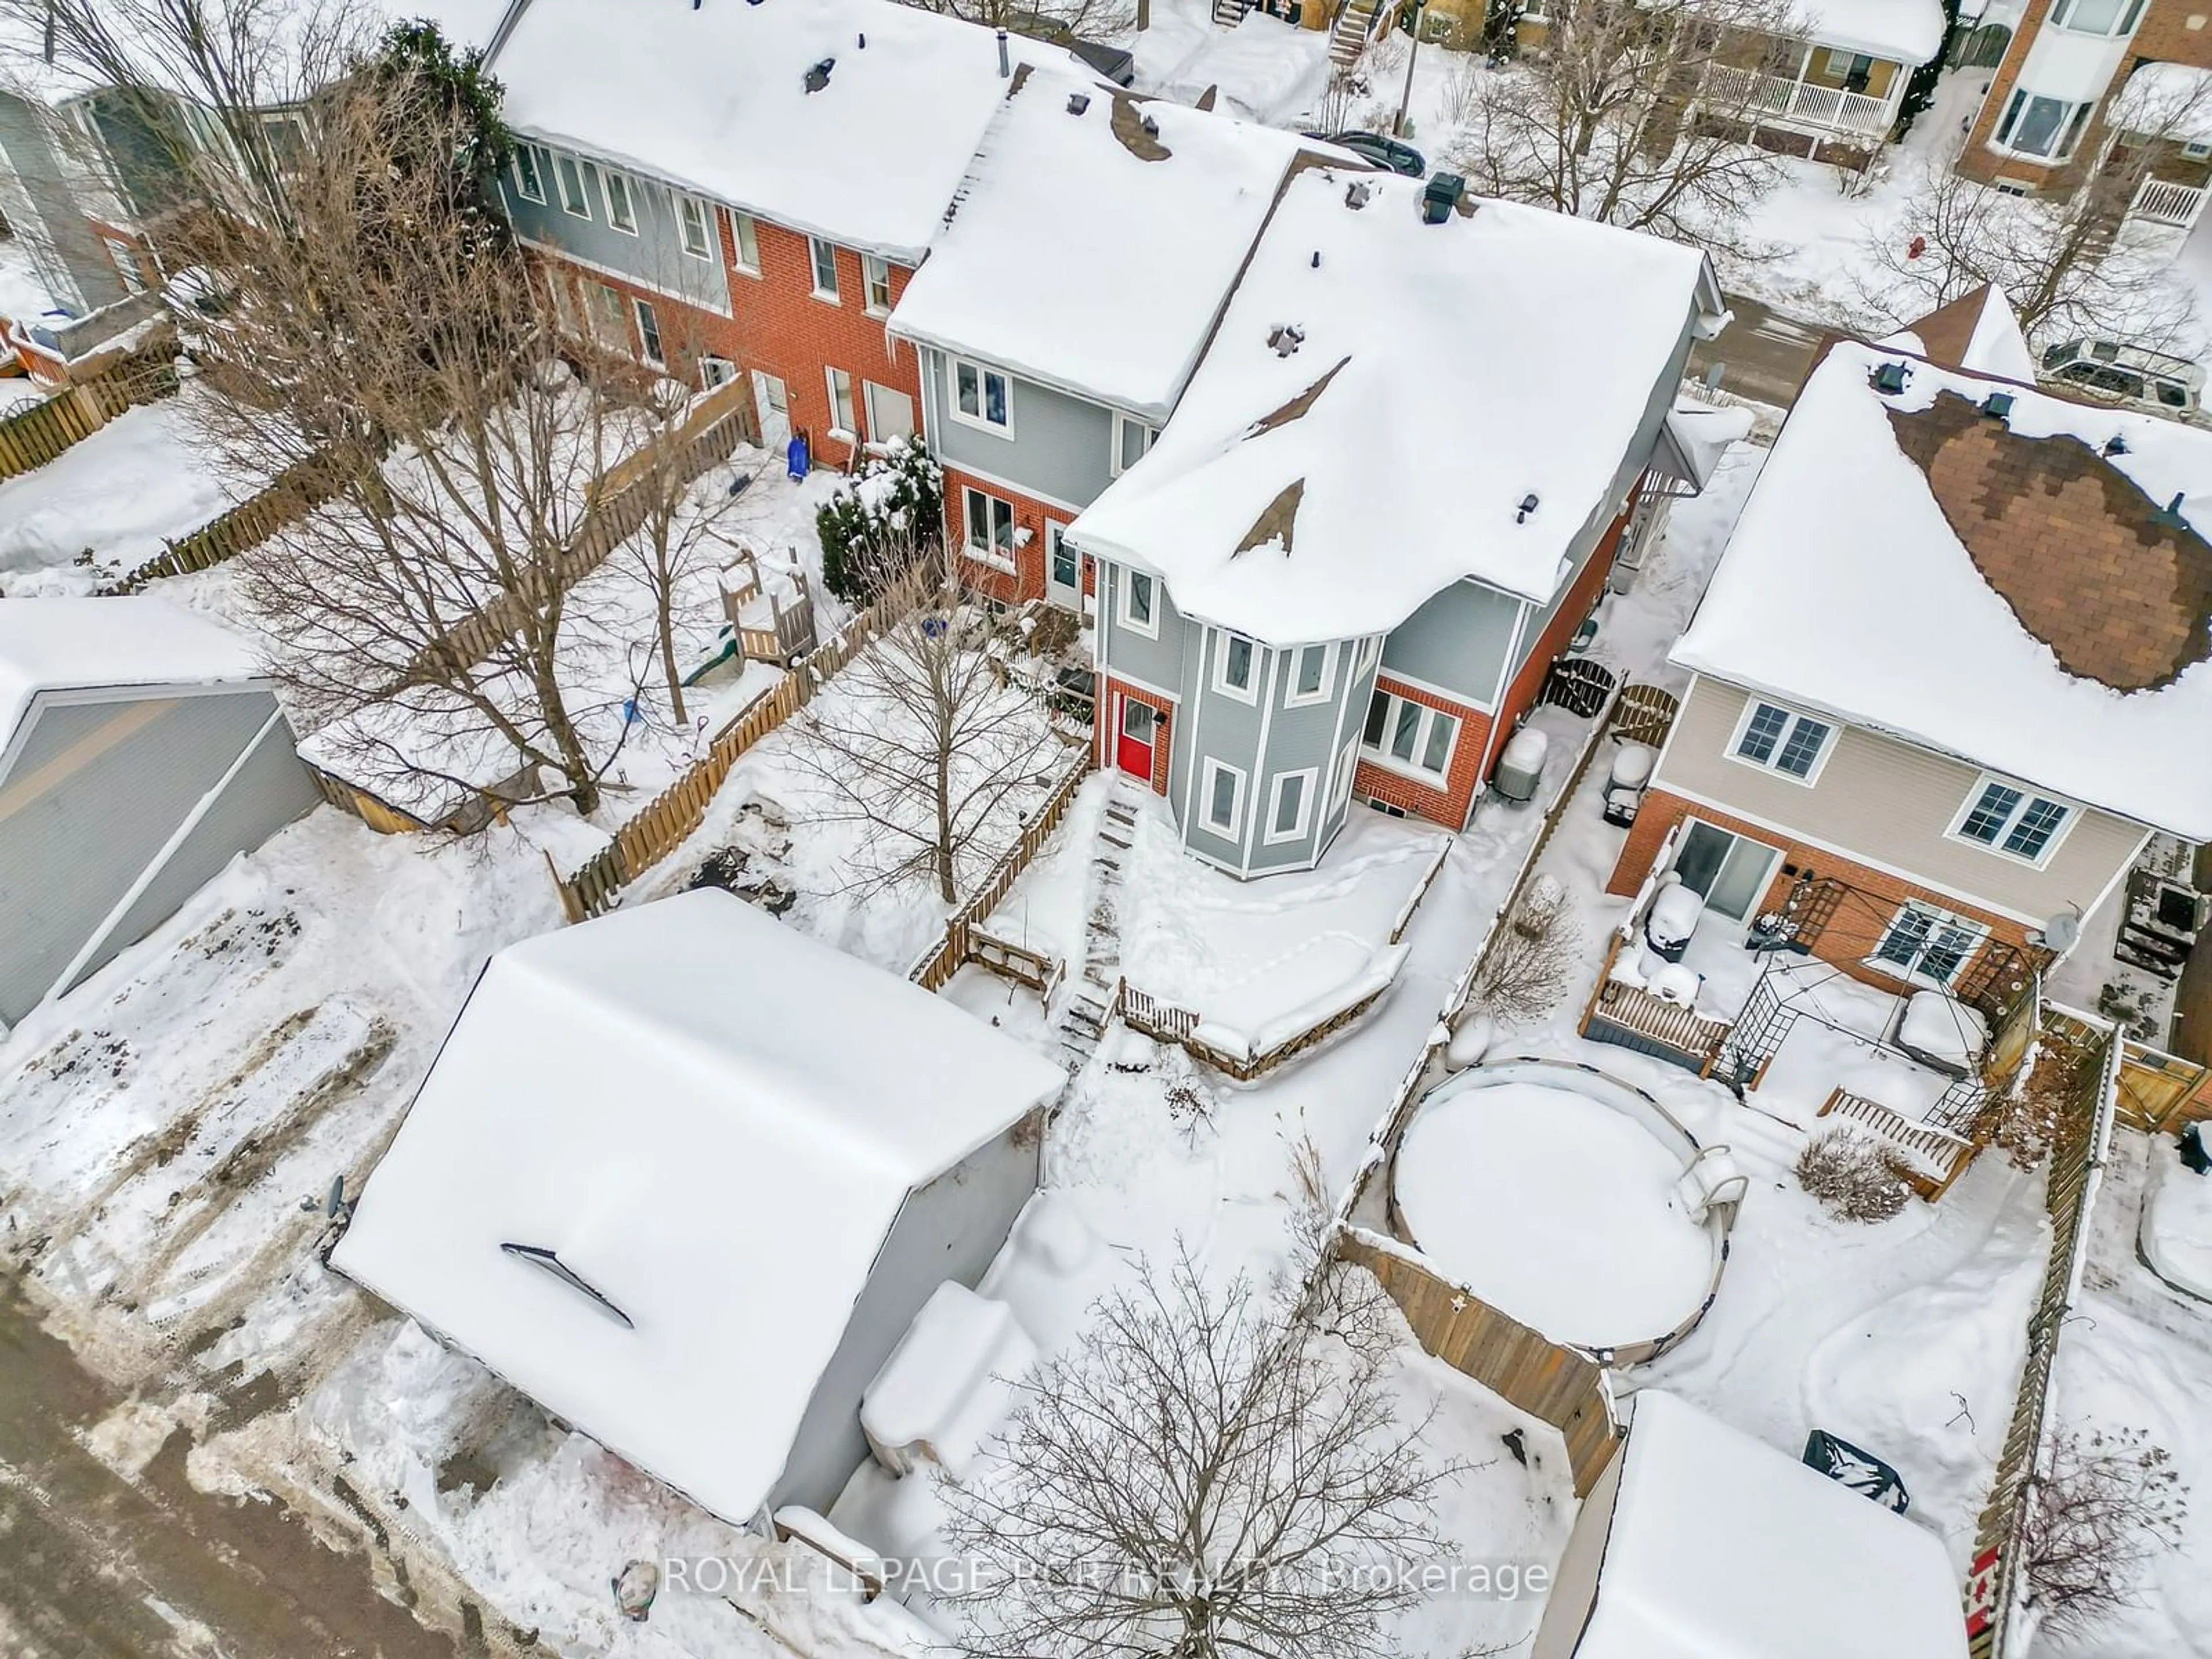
(96, 1566)
(1763, 355)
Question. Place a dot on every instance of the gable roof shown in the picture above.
(1977, 331)
(714, 97)
(714, 1121)
(2002, 590)
(82, 644)
(1722, 1547)
(1381, 397)
(1089, 252)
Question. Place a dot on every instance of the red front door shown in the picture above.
(1140, 731)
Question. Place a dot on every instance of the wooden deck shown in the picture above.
(1936, 1157)
(1630, 1018)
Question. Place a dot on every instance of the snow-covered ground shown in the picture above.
(146, 476)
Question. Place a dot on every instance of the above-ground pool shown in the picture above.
(1550, 1191)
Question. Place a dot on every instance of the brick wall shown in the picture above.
(1858, 924)
(1026, 579)
(1109, 718)
(1447, 806)
(1559, 632)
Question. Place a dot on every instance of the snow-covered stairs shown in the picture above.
(1089, 1002)
(1228, 14)
(1348, 39)
(1759, 1138)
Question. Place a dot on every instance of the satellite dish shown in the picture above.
(2060, 933)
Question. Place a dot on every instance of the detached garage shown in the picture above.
(140, 749)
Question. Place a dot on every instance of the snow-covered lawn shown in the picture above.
(1265, 69)
(143, 478)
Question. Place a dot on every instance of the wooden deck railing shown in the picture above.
(963, 930)
(1935, 1157)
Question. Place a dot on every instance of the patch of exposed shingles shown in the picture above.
(2120, 591)
(1129, 125)
(1284, 415)
(1277, 520)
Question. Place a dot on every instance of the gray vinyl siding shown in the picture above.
(1301, 738)
(1891, 803)
(949, 1229)
(1154, 662)
(1458, 642)
(41, 199)
(1218, 726)
(652, 258)
(1059, 448)
(73, 844)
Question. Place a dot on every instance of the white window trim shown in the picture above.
(708, 364)
(583, 189)
(1055, 540)
(1248, 692)
(1121, 424)
(844, 434)
(827, 295)
(2054, 157)
(985, 552)
(952, 409)
(870, 268)
(1751, 705)
(870, 389)
(1274, 836)
(737, 244)
(706, 225)
(1382, 756)
(638, 311)
(537, 165)
(2028, 794)
(608, 182)
(1123, 617)
(2062, 17)
(1882, 964)
(1293, 698)
(1234, 829)
(1340, 788)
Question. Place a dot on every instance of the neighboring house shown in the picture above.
(1386, 501)
(1039, 392)
(1699, 1541)
(141, 749)
(685, 1176)
(1950, 673)
(2077, 83)
(745, 189)
(42, 201)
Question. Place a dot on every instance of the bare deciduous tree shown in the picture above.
(1632, 114)
(2104, 1503)
(1532, 961)
(1203, 1478)
(927, 741)
(1055, 20)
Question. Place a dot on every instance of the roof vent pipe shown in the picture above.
(1078, 103)
(1005, 64)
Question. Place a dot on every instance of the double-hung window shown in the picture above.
(1410, 735)
(622, 212)
(2012, 819)
(982, 397)
(823, 257)
(1782, 740)
(1237, 668)
(695, 222)
(1140, 604)
(575, 199)
(1132, 438)
(876, 285)
(2105, 17)
(1290, 807)
(1313, 675)
(2046, 128)
(842, 422)
(1222, 797)
(746, 235)
(529, 178)
(648, 333)
(988, 528)
(1923, 942)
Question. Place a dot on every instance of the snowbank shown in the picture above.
(948, 1384)
(70, 644)
(2176, 1224)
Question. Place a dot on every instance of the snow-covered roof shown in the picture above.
(1977, 332)
(2002, 590)
(1695, 436)
(713, 1122)
(1382, 395)
(80, 644)
(1721, 1548)
(714, 97)
(1910, 31)
(1147, 228)
(2171, 99)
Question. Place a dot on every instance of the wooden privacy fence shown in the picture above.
(2162, 1093)
(298, 491)
(1564, 1388)
(31, 437)
(2091, 1059)
(679, 809)
(965, 941)
(1645, 714)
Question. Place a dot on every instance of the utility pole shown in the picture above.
(1413, 51)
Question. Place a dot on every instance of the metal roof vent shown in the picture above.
(1997, 405)
(1889, 379)
(818, 77)
(2116, 445)
(1286, 338)
(1440, 195)
(1528, 506)
(1150, 125)
(1078, 103)
(1356, 194)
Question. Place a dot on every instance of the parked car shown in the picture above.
(1394, 154)
(2126, 373)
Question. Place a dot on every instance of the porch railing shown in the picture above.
(2163, 202)
(1755, 97)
